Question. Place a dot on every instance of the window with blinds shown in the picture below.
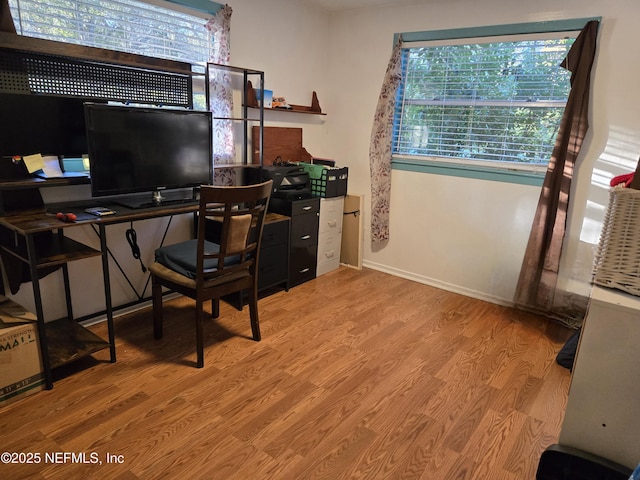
(123, 25)
(496, 101)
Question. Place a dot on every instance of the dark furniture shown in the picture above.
(303, 240)
(559, 462)
(34, 66)
(203, 270)
(36, 238)
(273, 268)
(66, 75)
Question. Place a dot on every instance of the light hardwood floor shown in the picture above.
(360, 375)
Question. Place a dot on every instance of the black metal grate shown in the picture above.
(38, 74)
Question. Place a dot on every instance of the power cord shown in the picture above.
(135, 249)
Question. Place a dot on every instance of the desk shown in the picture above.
(27, 182)
(20, 238)
(601, 415)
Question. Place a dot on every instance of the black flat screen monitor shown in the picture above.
(140, 149)
(42, 124)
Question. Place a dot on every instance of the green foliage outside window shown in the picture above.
(123, 25)
(495, 101)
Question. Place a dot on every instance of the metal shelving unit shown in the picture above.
(239, 84)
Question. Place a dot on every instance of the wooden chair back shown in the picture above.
(241, 211)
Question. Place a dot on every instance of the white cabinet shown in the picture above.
(329, 234)
(602, 410)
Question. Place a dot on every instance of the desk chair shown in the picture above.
(203, 270)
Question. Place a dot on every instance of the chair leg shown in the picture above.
(253, 313)
(215, 307)
(199, 334)
(156, 294)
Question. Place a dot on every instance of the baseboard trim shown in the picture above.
(432, 282)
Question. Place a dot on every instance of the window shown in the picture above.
(125, 25)
(480, 100)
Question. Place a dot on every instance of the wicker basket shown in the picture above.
(617, 260)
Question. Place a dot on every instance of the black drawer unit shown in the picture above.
(273, 267)
(303, 249)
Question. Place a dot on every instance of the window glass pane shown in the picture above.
(124, 25)
(499, 101)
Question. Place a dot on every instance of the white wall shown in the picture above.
(469, 235)
(288, 41)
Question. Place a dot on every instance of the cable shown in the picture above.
(135, 249)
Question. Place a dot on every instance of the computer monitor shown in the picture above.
(146, 149)
(43, 124)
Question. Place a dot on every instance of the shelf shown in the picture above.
(53, 250)
(295, 109)
(240, 86)
(33, 182)
(33, 66)
(236, 69)
(314, 109)
(236, 119)
(69, 341)
(234, 165)
(81, 52)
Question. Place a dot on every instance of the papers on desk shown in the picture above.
(62, 175)
(48, 167)
(34, 162)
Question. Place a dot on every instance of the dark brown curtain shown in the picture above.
(536, 287)
(6, 22)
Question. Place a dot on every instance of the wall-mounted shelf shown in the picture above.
(35, 66)
(313, 109)
(238, 113)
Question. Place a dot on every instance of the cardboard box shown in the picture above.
(20, 360)
(280, 144)
(268, 97)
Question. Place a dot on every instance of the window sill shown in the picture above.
(496, 174)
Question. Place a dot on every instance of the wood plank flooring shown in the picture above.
(360, 375)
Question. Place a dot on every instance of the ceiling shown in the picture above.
(337, 5)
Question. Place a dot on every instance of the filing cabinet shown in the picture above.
(273, 268)
(274, 249)
(303, 240)
(329, 234)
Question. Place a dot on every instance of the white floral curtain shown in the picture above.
(380, 148)
(221, 95)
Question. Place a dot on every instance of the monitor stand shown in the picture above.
(157, 199)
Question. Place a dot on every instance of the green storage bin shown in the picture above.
(327, 182)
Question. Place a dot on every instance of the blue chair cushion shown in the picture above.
(181, 257)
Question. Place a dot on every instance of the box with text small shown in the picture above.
(268, 97)
(20, 359)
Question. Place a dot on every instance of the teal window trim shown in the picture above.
(203, 6)
(571, 25)
(496, 174)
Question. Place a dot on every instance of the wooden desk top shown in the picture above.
(44, 219)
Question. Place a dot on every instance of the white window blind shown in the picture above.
(499, 101)
(123, 25)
